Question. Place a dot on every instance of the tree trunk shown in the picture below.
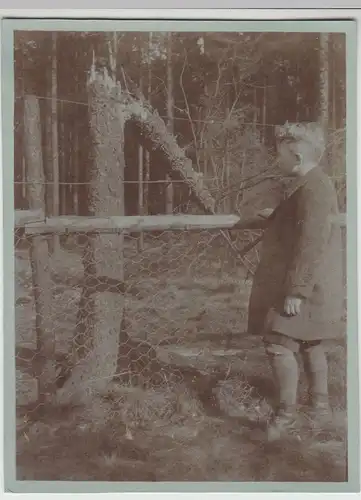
(75, 179)
(204, 144)
(264, 112)
(39, 254)
(324, 83)
(48, 163)
(298, 96)
(227, 200)
(255, 109)
(147, 153)
(52, 148)
(64, 155)
(23, 177)
(54, 126)
(140, 193)
(76, 151)
(140, 181)
(333, 100)
(170, 108)
(19, 177)
(102, 304)
(334, 88)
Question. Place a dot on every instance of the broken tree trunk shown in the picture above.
(156, 136)
(39, 253)
(101, 307)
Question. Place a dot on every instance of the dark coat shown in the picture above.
(301, 256)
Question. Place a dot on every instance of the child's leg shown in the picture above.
(316, 370)
(281, 354)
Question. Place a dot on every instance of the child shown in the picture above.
(297, 296)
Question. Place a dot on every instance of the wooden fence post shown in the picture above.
(39, 252)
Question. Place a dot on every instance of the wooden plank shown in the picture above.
(149, 223)
(23, 217)
(131, 223)
(39, 252)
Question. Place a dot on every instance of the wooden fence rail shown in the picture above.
(35, 224)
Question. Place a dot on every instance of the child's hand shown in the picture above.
(265, 213)
(292, 306)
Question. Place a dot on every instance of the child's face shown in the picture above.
(288, 155)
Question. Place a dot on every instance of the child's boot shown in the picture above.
(316, 369)
(285, 370)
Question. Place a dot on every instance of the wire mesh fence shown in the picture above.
(178, 288)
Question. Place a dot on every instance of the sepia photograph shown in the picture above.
(180, 270)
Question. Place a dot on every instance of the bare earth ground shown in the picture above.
(196, 315)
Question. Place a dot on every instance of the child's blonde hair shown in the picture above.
(308, 136)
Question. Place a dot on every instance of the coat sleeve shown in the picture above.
(313, 229)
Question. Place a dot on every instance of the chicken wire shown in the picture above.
(179, 287)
